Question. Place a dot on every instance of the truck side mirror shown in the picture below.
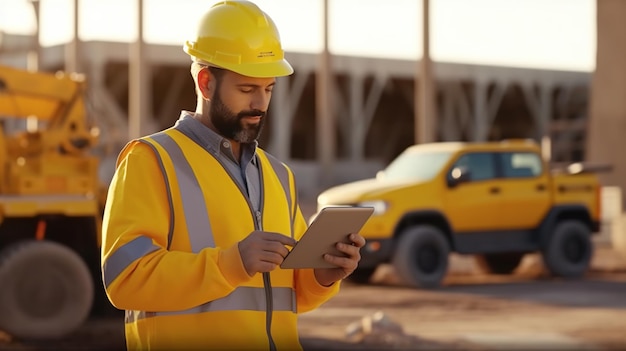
(459, 175)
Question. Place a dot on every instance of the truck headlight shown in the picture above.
(379, 206)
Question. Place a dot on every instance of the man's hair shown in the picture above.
(217, 72)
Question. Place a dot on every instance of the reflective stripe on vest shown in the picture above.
(124, 256)
(283, 176)
(195, 210)
(240, 299)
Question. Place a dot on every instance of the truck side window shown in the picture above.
(480, 164)
(521, 164)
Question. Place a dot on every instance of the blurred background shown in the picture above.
(366, 83)
(494, 69)
(371, 78)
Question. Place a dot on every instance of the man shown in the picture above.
(198, 218)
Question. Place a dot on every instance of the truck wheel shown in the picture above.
(421, 256)
(361, 275)
(499, 263)
(46, 290)
(569, 249)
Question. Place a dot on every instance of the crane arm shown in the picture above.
(41, 94)
(54, 98)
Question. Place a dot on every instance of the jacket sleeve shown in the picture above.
(310, 294)
(139, 273)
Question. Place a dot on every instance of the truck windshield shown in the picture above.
(416, 165)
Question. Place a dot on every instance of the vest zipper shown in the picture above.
(269, 301)
(267, 283)
(258, 225)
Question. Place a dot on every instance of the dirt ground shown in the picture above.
(527, 311)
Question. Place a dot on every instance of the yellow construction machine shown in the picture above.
(50, 205)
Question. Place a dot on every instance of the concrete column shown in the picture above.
(449, 130)
(33, 58)
(425, 89)
(606, 139)
(481, 120)
(464, 110)
(72, 49)
(281, 124)
(540, 106)
(139, 112)
(357, 125)
(495, 100)
(325, 119)
(285, 100)
(485, 107)
(361, 113)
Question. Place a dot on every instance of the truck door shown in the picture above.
(474, 204)
(525, 189)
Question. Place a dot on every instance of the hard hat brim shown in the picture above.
(279, 68)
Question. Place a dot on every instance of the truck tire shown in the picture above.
(421, 256)
(46, 290)
(499, 263)
(568, 252)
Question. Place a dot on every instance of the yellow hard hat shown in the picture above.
(240, 37)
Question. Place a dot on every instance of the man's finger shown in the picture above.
(283, 239)
(357, 240)
(271, 257)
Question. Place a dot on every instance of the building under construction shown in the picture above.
(372, 109)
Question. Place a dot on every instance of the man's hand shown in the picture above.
(345, 265)
(263, 251)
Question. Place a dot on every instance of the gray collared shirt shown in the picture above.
(245, 173)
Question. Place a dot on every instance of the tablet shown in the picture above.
(330, 226)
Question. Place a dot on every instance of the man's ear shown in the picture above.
(205, 83)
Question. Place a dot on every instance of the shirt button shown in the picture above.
(226, 144)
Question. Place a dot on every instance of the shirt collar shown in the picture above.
(210, 140)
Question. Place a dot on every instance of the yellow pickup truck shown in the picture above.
(496, 200)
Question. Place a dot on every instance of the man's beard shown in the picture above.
(231, 125)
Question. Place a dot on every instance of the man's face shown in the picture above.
(239, 104)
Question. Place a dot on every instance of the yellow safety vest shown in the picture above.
(171, 226)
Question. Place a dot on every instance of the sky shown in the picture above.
(552, 34)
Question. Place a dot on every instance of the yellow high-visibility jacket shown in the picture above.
(172, 222)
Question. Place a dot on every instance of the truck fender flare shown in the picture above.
(429, 216)
(558, 213)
